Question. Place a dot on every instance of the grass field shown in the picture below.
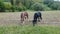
(10, 23)
(13, 18)
(30, 30)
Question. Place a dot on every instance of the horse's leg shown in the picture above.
(41, 18)
(38, 19)
(26, 20)
(23, 21)
(34, 22)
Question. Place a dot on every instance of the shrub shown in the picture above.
(39, 7)
(55, 6)
(21, 7)
(36, 7)
(46, 8)
(7, 5)
(2, 9)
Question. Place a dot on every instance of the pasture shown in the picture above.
(49, 18)
(30, 30)
(10, 23)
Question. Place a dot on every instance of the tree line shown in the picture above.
(22, 5)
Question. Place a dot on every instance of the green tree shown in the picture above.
(21, 7)
(55, 6)
(13, 3)
(38, 7)
(48, 2)
(17, 2)
(27, 3)
(7, 5)
(2, 9)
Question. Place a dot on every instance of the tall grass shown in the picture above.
(29, 30)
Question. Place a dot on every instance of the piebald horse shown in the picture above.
(24, 16)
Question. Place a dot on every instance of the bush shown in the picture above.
(2, 9)
(36, 7)
(7, 5)
(27, 3)
(58, 8)
(21, 7)
(55, 6)
(39, 7)
(46, 8)
(13, 8)
(48, 2)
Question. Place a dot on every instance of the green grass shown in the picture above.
(29, 30)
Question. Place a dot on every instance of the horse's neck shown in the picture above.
(25, 14)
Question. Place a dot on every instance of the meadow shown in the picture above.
(10, 23)
(30, 30)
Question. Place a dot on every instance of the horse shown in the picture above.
(24, 16)
(37, 17)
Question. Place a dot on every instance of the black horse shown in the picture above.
(38, 16)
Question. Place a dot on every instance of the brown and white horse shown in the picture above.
(24, 16)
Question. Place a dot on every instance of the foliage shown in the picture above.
(48, 1)
(7, 5)
(27, 3)
(46, 8)
(13, 4)
(54, 5)
(21, 7)
(36, 7)
(2, 9)
(39, 6)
